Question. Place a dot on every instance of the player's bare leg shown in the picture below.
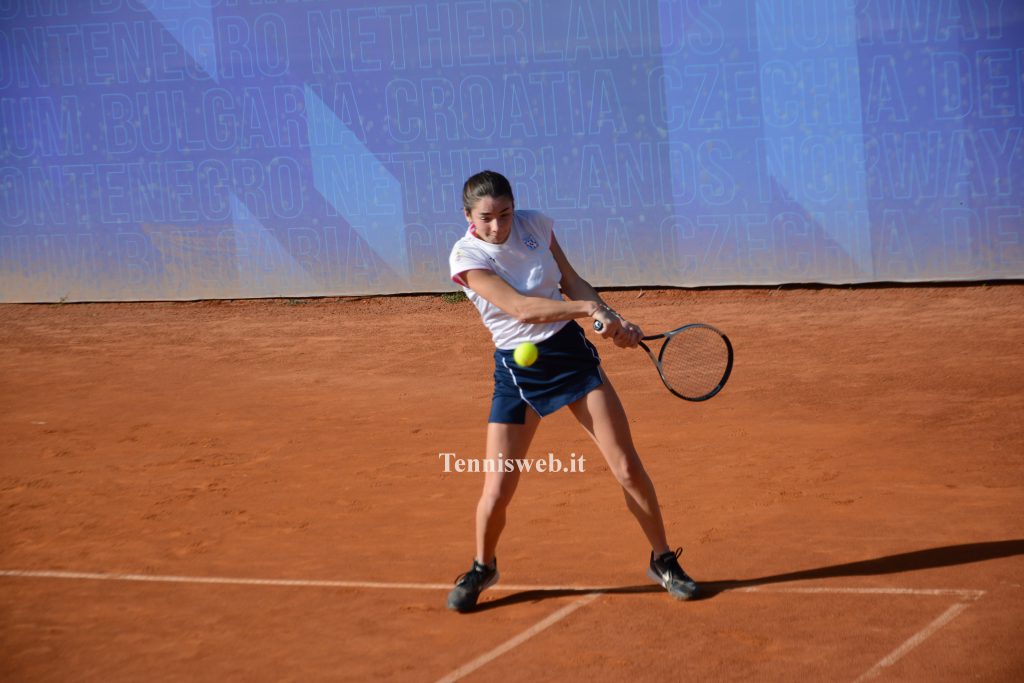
(511, 441)
(600, 413)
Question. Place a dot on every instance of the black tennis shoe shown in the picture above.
(665, 570)
(469, 586)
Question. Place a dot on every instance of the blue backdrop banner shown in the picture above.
(181, 149)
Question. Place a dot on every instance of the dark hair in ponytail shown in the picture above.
(485, 184)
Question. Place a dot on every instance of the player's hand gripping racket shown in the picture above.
(694, 361)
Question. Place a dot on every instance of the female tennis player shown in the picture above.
(511, 267)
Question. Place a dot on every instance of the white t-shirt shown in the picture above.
(524, 261)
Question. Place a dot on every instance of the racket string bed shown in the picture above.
(692, 361)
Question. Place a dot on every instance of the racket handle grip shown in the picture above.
(598, 325)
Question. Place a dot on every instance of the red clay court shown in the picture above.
(251, 490)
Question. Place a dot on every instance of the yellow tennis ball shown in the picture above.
(525, 354)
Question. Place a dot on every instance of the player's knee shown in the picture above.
(629, 473)
(497, 497)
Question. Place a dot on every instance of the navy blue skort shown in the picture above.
(567, 369)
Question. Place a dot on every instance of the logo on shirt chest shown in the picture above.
(531, 242)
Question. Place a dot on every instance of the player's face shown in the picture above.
(492, 217)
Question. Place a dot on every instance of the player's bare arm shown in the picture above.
(526, 309)
(614, 326)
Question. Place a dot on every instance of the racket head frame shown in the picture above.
(667, 336)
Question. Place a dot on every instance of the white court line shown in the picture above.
(913, 642)
(56, 574)
(518, 640)
(592, 593)
(316, 583)
(964, 594)
(957, 592)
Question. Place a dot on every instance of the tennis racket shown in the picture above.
(694, 361)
